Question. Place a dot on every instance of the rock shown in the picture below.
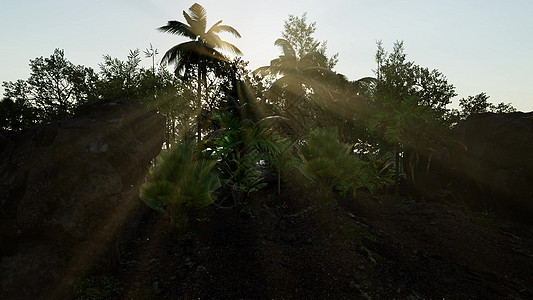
(489, 165)
(65, 191)
(498, 160)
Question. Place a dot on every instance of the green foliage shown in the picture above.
(299, 34)
(122, 79)
(240, 148)
(410, 109)
(163, 92)
(479, 104)
(300, 87)
(52, 92)
(377, 171)
(151, 53)
(180, 180)
(56, 88)
(301, 81)
(248, 176)
(196, 57)
(329, 163)
(399, 79)
(283, 160)
(98, 288)
(17, 112)
(158, 194)
(401, 122)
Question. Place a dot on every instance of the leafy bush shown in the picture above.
(329, 163)
(283, 160)
(240, 148)
(377, 171)
(180, 181)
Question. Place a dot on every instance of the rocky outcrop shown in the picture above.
(65, 191)
(498, 159)
(490, 166)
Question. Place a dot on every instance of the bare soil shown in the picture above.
(294, 248)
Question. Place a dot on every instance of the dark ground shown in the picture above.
(361, 248)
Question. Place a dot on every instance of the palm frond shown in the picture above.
(224, 28)
(287, 48)
(272, 118)
(263, 71)
(214, 41)
(181, 179)
(230, 48)
(188, 18)
(199, 15)
(318, 71)
(211, 30)
(367, 80)
(186, 55)
(157, 194)
(314, 59)
(328, 162)
(179, 28)
(183, 56)
(288, 84)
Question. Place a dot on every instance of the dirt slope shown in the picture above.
(362, 248)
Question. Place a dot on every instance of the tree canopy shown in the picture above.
(402, 111)
(299, 33)
(55, 87)
(479, 104)
(296, 112)
(200, 52)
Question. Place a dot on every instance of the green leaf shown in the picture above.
(158, 194)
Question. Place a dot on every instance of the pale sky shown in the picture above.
(481, 46)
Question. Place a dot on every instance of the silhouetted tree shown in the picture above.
(410, 105)
(299, 34)
(151, 53)
(54, 89)
(17, 112)
(192, 57)
(479, 104)
(122, 79)
(399, 79)
(297, 82)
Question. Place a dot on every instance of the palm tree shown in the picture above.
(309, 70)
(195, 54)
(297, 79)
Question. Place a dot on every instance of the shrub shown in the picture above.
(180, 181)
(283, 160)
(240, 147)
(329, 163)
(377, 171)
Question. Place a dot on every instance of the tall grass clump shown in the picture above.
(180, 181)
(329, 164)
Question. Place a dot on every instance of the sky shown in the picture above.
(480, 46)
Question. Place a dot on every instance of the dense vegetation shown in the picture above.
(254, 127)
(287, 181)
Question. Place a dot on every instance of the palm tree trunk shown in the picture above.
(199, 103)
(173, 128)
(397, 174)
(204, 81)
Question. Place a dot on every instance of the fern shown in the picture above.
(329, 163)
(240, 146)
(158, 194)
(180, 180)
